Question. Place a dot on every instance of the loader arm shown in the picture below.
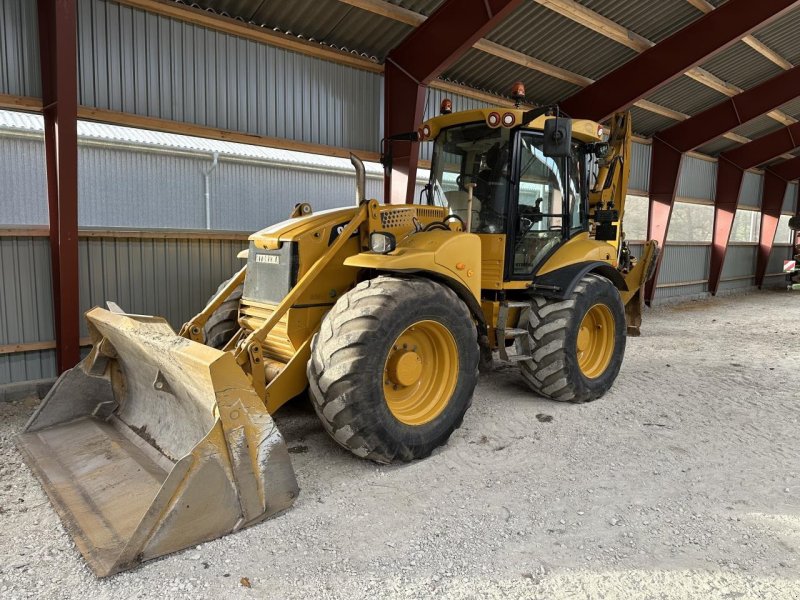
(607, 195)
(607, 205)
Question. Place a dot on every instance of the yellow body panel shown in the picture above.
(580, 248)
(453, 255)
(493, 251)
(584, 130)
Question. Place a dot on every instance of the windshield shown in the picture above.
(478, 157)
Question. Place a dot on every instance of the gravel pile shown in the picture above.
(683, 482)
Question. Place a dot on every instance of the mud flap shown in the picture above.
(154, 443)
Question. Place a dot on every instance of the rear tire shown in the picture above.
(223, 322)
(559, 369)
(393, 368)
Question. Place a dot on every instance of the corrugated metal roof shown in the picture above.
(426, 7)
(652, 20)
(717, 146)
(686, 95)
(328, 22)
(781, 36)
(486, 72)
(792, 108)
(757, 127)
(545, 35)
(742, 66)
(646, 123)
(87, 130)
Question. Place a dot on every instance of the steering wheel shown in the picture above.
(462, 181)
(457, 218)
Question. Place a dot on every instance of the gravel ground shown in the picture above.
(682, 482)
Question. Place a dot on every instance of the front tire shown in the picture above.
(577, 344)
(223, 322)
(393, 368)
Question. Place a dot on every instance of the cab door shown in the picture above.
(547, 205)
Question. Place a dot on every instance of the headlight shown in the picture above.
(382, 242)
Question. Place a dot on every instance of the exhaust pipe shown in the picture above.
(361, 178)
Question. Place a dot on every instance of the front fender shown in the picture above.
(449, 254)
(561, 283)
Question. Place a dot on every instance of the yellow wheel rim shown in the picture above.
(595, 343)
(420, 373)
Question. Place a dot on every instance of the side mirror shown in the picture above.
(600, 149)
(558, 137)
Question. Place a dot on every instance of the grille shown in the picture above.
(397, 217)
(403, 217)
(270, 273)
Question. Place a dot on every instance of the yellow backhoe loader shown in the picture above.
(158, 441)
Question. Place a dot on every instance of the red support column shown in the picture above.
(729, 184)
(403, 109)
(665, 163)
(771, 204)
(58, 56)
(440, 40)
(670, 58)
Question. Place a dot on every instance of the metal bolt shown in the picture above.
(159, 385)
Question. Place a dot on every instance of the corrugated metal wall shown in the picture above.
(640, 168)
(750, 193)
(19, 49)
(685, 267)
(790, 199)
(684, 272)
(697, 179)
(167, 277)
(120, 186)
(141, 63)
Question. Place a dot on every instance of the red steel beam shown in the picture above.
(434, 45)
(730, 173)
(683, 50)
(670, 144)
(58, 58)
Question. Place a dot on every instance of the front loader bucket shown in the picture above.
(154, 443)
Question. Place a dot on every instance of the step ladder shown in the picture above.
(518, 334)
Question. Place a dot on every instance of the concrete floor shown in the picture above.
(682, 482)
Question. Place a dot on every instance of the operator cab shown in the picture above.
(537, 200)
